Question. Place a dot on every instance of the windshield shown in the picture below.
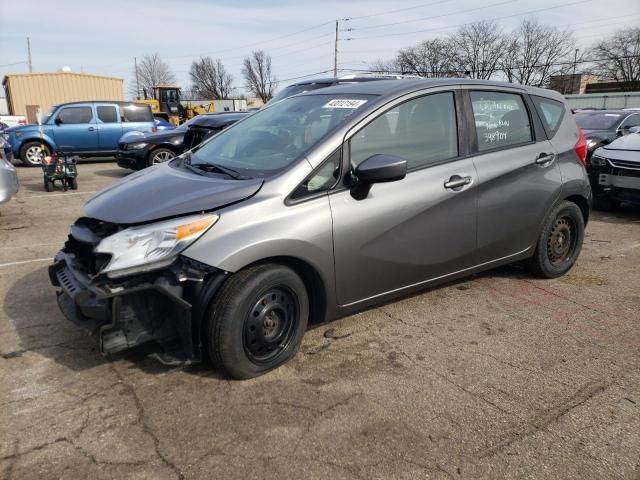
(597, 120)
(295, 89)
(185, 126)
(271, 139)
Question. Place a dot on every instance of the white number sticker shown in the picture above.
(344, 103)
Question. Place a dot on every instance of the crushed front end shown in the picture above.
(164, 306)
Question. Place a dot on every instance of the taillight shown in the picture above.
(22, 122)
(581, 148)
(154, 129)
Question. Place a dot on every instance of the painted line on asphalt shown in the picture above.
(58, 194)
(10, 264)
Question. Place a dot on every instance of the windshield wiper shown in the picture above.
(209, 167)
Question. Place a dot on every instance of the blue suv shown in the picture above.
(85, 128)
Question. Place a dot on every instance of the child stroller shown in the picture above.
(60, 166)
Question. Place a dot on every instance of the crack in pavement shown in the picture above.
(545, 418)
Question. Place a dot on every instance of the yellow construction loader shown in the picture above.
(165, 103)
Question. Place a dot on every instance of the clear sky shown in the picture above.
(103, 37)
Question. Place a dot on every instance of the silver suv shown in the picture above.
(320, 205)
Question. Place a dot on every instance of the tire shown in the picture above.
(73, 183)
(160, 155)
(31, 154)
(559, 243)
(48, 184)
(257, 320)
(605, 204)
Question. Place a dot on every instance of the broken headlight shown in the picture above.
(153, 246)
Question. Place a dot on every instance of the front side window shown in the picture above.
(632, 121)
(501, 119)
(74, 115)
(107, 114)
(423, 131)
(272, 139)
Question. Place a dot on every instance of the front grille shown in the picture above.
(625, 164)
(85, 235)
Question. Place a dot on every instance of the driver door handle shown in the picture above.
(545, 159)
(91, 129)
(456, 181)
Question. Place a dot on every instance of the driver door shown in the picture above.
(414, 230)
(75, 129)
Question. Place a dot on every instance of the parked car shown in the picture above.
(203, 127)
(162, 124)
(8, 175)
(13, 120)
(137, 151)
(614, 172)
(5, 145)
(320, 205)
(602, 127)
(311, 84)
(85, 128)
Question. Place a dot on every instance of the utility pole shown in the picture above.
(335, 54)
(29, 54)
(135, 64)
(573, 77)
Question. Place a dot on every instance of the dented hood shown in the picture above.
(166, 191)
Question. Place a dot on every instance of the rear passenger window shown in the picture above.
(137, 113)
(501, 120)
(551, 113)
(72, 115)
(107, 114)
(423, 131)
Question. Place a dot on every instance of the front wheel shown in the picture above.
(32, 153)
(559, 243)
(257, 320)
(160, 155)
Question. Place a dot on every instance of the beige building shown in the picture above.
(26, 92)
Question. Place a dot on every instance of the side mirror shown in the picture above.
(377, 168)
(57, 121)
(381, 168)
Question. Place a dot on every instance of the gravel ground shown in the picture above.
(500, 375)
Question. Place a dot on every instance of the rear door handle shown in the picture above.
(91, 129)
(456, 182)
(545, 159)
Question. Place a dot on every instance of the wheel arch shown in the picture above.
(46, 140)
(582, 203)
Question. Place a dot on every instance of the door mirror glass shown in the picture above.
(57, 121)
(381, 168)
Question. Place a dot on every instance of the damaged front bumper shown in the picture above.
(166, 307)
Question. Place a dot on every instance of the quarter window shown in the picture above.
(423, 131)
(322, 179)
(72, 115)
(137, 113)
(501, 119)
(551, 112)
(107, 114)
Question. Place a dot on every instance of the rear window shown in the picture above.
(137, 113)
(107, 114)
(501, 119)
(551, 113)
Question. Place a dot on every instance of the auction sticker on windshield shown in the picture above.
(344, 103)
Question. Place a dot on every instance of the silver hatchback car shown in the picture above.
(320, 205)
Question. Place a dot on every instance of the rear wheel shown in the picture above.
(257, 320)
(48, 184)
(160, 155)
(560, 241)
(32, 153)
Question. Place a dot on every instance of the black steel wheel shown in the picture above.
(560, 241)
(48, 184)
(257, 320)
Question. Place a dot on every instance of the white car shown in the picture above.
(13, 120)
(8, 174)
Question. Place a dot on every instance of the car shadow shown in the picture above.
(625, 213)
(113, 172)
(30, 305)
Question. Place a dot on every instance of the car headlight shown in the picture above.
(591, 142)
(154, 246)
(598, 161)
(137, 146)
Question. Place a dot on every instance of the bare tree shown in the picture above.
(210, 79)
(257, 74)
(534, 52)
(152, 71)
(618, 58)
(385, 66)
(431, 58)
(479, 47)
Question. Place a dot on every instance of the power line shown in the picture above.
(468, 23)
(381, 25)
(396, 10)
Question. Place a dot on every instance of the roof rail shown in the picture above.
(397, 76)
